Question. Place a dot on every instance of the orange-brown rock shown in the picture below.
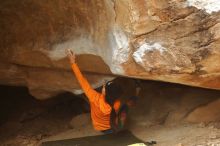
(168, 40)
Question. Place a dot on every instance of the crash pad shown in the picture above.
(122, 138)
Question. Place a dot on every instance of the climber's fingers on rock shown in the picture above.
(71, 55)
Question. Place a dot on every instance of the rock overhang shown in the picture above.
(171, 41)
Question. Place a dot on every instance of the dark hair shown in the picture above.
(113, 91)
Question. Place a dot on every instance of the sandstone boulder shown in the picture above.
(166, 40)
(207, 113)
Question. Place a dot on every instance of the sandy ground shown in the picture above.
(175, 135)
(180, 135)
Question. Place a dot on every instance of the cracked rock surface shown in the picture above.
(168, 40)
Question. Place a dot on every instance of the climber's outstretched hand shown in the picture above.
(71, 56)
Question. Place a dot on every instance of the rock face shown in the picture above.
(206, 113)
(168, 40)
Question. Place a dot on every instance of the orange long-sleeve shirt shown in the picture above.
(100, 109)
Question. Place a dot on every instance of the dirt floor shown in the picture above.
(179, 135)
(162, 117)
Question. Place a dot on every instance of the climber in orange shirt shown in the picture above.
(107, 113)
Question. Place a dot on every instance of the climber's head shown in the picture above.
(113, 91)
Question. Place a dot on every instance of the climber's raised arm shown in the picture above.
(89, 91)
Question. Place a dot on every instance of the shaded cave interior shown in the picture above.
(159, 104)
